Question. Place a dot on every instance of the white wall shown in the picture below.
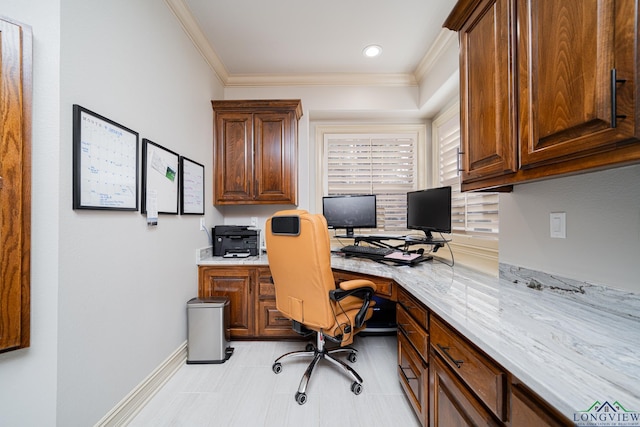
(603, 227)
(123, 286)
(324, 105)
(28, 376)
(108, 294)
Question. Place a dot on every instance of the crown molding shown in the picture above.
(441, 44)
(191, 27)
(321, 79)
(193, 30)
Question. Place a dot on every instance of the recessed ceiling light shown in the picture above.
(372, 51)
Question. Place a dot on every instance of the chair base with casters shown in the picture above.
(319, 352)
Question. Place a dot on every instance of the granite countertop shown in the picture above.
(573, 343)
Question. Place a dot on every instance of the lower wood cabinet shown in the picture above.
(413, 353)
(450, 382)
(452, 404)
(270, 323)
(413, 372)
(236, 284)
(487, 380)
(252, 304)
(527, 410)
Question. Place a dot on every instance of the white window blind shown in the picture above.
(384, 165)
(472, 213)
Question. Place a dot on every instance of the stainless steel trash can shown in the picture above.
(208, 330)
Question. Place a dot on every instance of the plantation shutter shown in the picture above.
(384, 165)
(470, 212)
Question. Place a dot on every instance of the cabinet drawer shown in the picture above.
(478, 372)
(413, 377)
(414, 308)
(266, 288)
(384, 287)
(414, 332)
(272, 323)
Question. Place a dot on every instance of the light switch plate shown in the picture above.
(558, 225)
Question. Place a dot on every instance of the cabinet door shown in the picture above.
(15, 185)
(451, 404)
(275, 158)
(233, 157)
(528, 411)
(234, 283)
(566, 52)
(486, 91)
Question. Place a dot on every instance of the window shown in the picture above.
(385, 164)
(472, 213)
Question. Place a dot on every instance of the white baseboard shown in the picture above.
(128, 407)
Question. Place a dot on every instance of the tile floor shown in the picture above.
(244, 391)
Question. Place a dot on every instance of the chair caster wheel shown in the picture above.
(277, 367)
(356, 388)
(301, 398)
(310, 347)
(352, 357)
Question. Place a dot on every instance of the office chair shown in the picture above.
(299, 254)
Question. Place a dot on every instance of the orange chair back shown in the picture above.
(301, 268)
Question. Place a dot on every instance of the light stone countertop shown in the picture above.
(572, 343)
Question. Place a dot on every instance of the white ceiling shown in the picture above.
(303, 37)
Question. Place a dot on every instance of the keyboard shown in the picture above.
(366, 250)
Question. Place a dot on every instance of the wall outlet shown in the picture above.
(254, 221)
(203, 226)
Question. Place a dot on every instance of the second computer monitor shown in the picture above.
(350, 212)
(429, 210)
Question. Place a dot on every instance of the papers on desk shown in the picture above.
(236, 255)
(401, 256)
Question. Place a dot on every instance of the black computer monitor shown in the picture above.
(429, 210)
(349, 212)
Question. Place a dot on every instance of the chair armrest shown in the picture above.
(348, 285)
(363, 289)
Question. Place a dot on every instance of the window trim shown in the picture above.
(321, 131)
(477, 252)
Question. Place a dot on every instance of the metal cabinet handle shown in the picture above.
(458, 154)
(407, 305)
(403, 328)
(406, 377)
(445, 351)
(614, 89)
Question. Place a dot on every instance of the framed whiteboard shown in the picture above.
(105, 163)
(192, 194)
(160, 177)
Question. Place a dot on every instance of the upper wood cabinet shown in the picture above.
(486, 72)
(547, 88)
(255, 151)
(15, 185)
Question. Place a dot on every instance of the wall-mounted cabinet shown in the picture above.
(15, 185)
(256, 152)
(547, 88)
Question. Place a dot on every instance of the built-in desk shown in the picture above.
(572, 346)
